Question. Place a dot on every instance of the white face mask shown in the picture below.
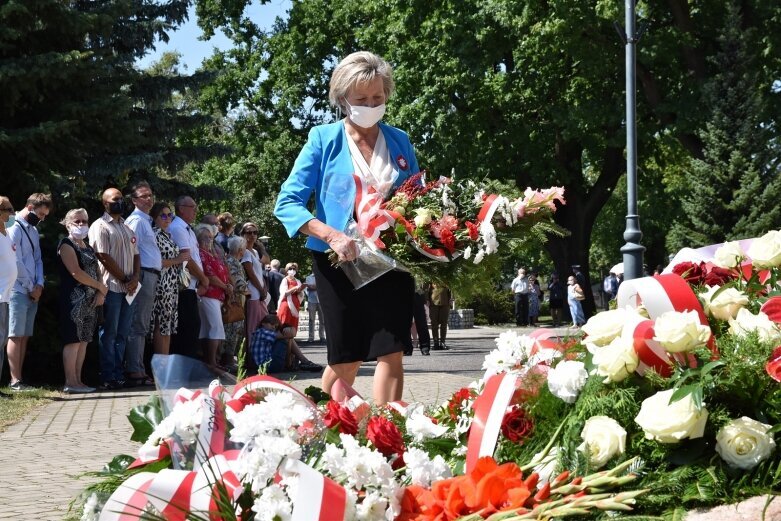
(292, 273)
(366, 117)
(79, 232)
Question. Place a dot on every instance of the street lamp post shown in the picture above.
(632, 250)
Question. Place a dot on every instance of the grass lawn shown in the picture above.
(16, 405)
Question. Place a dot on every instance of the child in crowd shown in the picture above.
(275, 345)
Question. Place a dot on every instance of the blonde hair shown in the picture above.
(68, 219)
(358, 67)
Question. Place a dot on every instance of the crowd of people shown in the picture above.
(154, 277)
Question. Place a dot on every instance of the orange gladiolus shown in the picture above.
(487, 489)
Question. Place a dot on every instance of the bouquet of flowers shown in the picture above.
(443, 228)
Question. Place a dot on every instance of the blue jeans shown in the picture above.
(117, 314)
(142, 306)
(576, 310)
(3, 332)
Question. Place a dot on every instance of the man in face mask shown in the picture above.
(28, 288)
(8, 271)
(120, 267)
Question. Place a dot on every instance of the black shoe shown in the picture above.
(310, 367)
(408, 352)
(425, 350)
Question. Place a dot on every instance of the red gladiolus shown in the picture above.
(772, 308)
(691, 272)
(773, 366)
(336, 414)
(385, 436)
(517, 425)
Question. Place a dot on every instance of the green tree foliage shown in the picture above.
(76, 113)
(522, 91)
(735, 185)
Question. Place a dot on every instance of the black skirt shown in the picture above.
(367, 323)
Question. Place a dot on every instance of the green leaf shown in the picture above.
(682, 392)
(118, 464)
(144, 419)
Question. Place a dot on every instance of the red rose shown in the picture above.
(517, 425)
(719, 276)
(691, 272)
(773, 366)
(385, 436)
(474, 233)
(448, 239)
(337, 415)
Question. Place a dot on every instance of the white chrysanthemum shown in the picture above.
(512, 350)
(479, 256)
(420, 426)
(467, 252)
(280, 413)
(92, 508)
(423, 471)
(273, 504)
(261, 458)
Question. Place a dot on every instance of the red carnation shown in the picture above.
(337, 415)
(448, 239)
(517, 425)
(474, 233)
(719, 276)
(691, 272)
(385, 436)
(454, 404)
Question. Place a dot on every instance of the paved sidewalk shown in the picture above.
(43, 454)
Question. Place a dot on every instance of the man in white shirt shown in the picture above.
(28, 287)
(313, 306)
(521, 287)
(8, 271)
(151, 264)
(185, 341)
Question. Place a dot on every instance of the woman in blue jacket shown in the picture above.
(372, 322)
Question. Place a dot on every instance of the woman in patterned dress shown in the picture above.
(81, 291)
(234, 331)
(165, 315)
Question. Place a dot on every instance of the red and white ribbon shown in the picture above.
(372, 219)
(660, 294)
(319, 498)
(262, 383)
(489, 408)
(212, 432)
(129, 501)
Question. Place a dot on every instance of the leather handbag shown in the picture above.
(232, 312)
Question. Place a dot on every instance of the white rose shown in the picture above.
(765, 252)
(726, 304)
(603, 438)
(744, 442)
(617, 360)
(567, 379)
(603, 327)
(745, 322)
(680, 332)
(671, 422)
(423, 216)
(728, 255)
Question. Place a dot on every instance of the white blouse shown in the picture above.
(380, 174)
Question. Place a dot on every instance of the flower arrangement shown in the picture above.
(444, 228)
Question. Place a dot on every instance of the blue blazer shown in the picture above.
(325, 167)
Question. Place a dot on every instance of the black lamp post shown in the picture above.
(632, 250)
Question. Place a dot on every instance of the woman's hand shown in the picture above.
(182, 257)
(102, 289)
(99, 299)
(343, 246)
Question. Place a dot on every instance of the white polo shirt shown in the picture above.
(8, 269)
(184, 237)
